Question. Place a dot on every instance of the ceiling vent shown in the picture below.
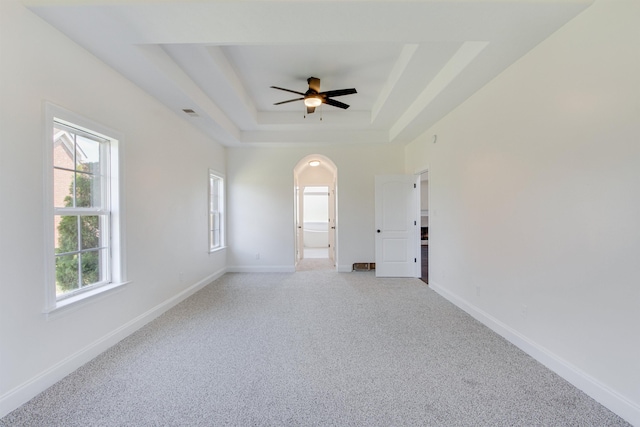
(190, 112)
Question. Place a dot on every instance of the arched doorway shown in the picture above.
(315, 191)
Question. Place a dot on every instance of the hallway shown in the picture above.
(424, 257)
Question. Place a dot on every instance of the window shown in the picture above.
(84, 209)
(216, 211)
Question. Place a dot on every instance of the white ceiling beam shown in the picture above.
(232, 78)
(299, 137)
(396, 73)
(458, 62)
(330, 119)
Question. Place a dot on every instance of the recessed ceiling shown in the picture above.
(411, 61)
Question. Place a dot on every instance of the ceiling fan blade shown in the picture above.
(290, 100)
(339, 92)
(314, 83)
(287, 90)
(335, 103)
(311, 110)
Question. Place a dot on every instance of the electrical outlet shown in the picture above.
(477, 290)
(257, 256)
(524, 311)
(181, 277)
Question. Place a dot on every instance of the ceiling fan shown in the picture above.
(313, 97)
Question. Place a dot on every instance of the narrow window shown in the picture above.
(216, 211)
(84, 219)
(81, 220)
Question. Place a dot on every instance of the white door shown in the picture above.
(396, 226)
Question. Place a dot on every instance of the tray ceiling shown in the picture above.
(411, 61)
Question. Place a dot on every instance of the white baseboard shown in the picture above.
(261, 269)
(21, 394)
(580, 379)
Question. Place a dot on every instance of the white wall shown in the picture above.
(535, 203)
(261, 205)
(165, 195)
(319, 175)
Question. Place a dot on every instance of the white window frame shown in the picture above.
(112, 212)
(216, 178)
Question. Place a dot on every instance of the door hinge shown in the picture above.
(415, 260)
(415, 223)
(414, 186)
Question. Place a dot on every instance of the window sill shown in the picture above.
(76, 301)
(221, 248)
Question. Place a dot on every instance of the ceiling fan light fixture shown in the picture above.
(312, 101)
(314, 163)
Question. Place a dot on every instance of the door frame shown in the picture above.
(419, 176)
(298, 186)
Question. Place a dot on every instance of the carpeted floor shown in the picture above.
(313, 348)
(315, 264)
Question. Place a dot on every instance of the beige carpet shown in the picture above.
(313, 348)
(310, 264)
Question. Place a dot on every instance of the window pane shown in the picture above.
(216, 221)
(316, 208)
(62, 188)
(216, 205)
(214, 232)
(66, 233)
(214, 194)
(316, 189)
(91, 267)
(87, 155)
(66, 273)
(87, 190)
(90, 232)
(63, 146)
